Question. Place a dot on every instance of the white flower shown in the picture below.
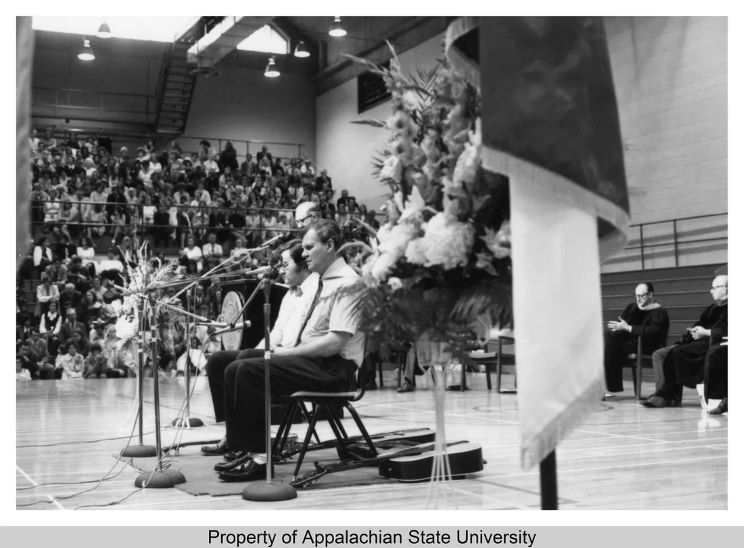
(414, 205)
(391, 169)
(499, 243)
(125, 329)
(467, 166)
(410, 101)
(446, 242)
(396, 242)
(395, 283)
(381, 267)
(416, 252)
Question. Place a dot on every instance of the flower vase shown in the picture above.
(437, 356)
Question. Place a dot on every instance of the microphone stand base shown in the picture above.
(269, 491)
(187, 423)
(138, 451)
(159, 479)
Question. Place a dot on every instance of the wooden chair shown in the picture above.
(636, 361)
(328, 404)
(497, 358)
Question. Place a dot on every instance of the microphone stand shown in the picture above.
(187, 421)
(270, 490)
(157, 478)
(140, 450)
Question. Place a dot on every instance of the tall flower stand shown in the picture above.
(437, 355)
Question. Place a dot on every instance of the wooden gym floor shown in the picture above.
(623, 457)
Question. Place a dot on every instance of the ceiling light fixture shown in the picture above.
(301, 50)
(104, 31)
(271, 70)
(86, 54)
(337, 31)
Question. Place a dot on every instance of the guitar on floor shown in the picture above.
(354, 447)
(410, 463)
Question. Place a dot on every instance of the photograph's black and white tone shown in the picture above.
(371, 263)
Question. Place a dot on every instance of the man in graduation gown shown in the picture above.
(644, 318)
(684, 364)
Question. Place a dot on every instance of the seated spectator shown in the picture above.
(98, 220)
(22, 374)
(27, 360)
(716, 378)
(116, 225)
(43, 255)
(46, 292)
(87, 255)
(70, 326)
(352, 207)
(69, 298)
(97, 288)
(343, 199)
(200, 221)
(80, 340)
(192, 253)
(683, 364)
(52, 207)
(160, 231)
(148, 210)
(183, 223)
(69, 365)
(78, 275)
(89, 308)
(127, 253)
(51, 320)
(212, 251)
(96, 365)
(645, 318)
(97, 332)
(38, 347)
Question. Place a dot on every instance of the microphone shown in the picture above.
(246, 324)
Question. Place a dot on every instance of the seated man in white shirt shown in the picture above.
(326, 355)
(302, 287)
(211, 251)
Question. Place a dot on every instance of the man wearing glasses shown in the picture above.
(644, 318)
(306, 213)
(684, 363)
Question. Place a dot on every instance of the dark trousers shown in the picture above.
(684, 366)
(245, 413)
(216, 365)
(617, 346)
(716, 373)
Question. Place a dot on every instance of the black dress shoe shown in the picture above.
(240, 458)
(654, 401)
(720, 409)
(220, 448)
(248, 471)
(406, 387)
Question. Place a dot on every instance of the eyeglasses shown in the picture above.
(717, 286)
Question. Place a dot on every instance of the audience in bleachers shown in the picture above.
(89, 200)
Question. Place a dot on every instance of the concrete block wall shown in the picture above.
(671, 81)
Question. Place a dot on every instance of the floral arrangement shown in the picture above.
(121, 337)
(443, 262)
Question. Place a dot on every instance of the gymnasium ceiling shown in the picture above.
(130, 69)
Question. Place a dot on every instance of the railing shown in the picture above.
(60, 101)
(666, 243)
(80, 227)
(242, 146)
